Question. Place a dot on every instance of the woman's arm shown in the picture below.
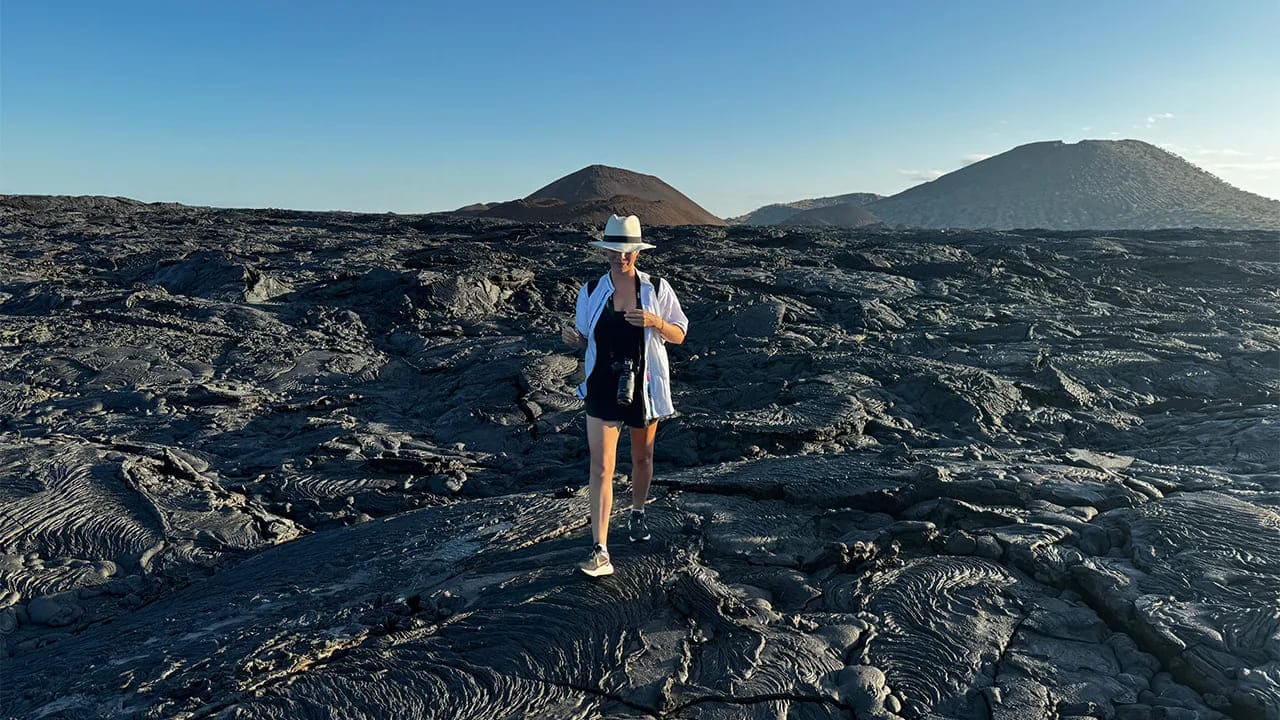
(674, 323)
(670, 332)
(670, 321)
(572, 334)
(573, 338)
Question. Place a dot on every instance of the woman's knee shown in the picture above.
(602, 437)
(602, 467)
(642, 459)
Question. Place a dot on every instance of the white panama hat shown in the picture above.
(622, 234)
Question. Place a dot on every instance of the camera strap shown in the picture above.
(643, 330)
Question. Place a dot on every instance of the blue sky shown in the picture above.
(420, 106)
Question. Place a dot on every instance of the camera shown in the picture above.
(625, 370)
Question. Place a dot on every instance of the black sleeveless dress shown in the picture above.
(616, 339)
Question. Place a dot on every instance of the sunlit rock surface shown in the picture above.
(278, 464)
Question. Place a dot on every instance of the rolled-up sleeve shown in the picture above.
(580, 311)
(670, 306)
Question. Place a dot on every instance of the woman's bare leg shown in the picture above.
(602, 438)
(641, 464)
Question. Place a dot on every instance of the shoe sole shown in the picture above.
(606, 570)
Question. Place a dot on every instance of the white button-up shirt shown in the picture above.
(657, 373)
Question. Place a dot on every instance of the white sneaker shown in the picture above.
(597, 563)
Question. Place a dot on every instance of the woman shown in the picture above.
(623, 319)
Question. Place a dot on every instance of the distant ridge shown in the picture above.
(593, 193)
(1092, 184)
(81, 203)
(847, 215)
(779, 213)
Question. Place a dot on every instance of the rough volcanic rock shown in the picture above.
(1099, 184)
(280, 464)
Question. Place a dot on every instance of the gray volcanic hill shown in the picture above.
(1100, 184)
(777, 213)
(275, 464)
(593, 193)
(97, 204)
(846, 215)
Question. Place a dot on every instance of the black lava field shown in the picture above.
(276, 464)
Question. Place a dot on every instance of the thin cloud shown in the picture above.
(1259, 166)
(1153, 119)
(1220, 152)
(972, 158)
(1258, 176)
(921, 175)
(1227, 161)
(1208, 154)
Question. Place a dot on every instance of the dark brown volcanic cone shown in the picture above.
(593, 193)
(1092, 184)
(847, 215)
(594, 212)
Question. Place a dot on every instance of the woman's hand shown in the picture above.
(643, 318)
(666, 331)
(572, 337)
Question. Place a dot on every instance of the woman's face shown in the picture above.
(621, 262)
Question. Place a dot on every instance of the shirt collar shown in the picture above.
(640, 274)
